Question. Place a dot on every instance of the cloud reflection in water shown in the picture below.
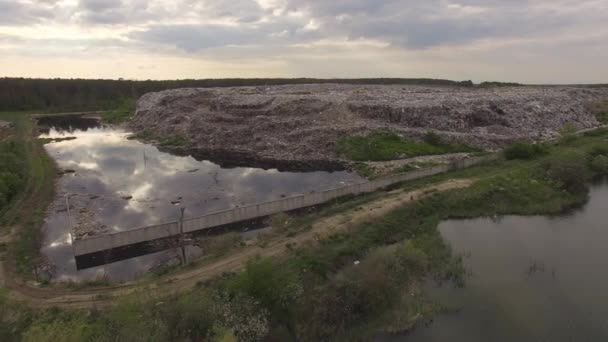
(110, 168)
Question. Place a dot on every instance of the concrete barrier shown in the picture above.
(129, 237)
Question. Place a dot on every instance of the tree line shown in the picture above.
(57, 95)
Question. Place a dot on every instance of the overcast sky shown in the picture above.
(535, 41)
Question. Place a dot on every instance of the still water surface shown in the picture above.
(117, 184)
(532, 278)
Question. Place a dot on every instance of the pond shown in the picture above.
(111, 183)
(531, 278)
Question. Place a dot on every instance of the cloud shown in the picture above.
(195, 37)
(429, 23)
(20, 13)
(100, 5)
(411, 24)
(298, 35)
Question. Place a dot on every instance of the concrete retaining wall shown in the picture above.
(129, 237)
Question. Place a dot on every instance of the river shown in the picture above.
(112, 184)
(531, 278)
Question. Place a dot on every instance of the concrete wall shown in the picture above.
(119, 239)
(129, 237)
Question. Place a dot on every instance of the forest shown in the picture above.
(62, 95)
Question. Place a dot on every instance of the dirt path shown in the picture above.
(186, 279)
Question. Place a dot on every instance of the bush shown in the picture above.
(599, 151)
(522, 150)
(568, 129)
(275, 287)
(360, 291)
(432, 138)
(568, 132)
(280, 223)
(189, 317)
(599, 164)
(569, 171)
(222, 244)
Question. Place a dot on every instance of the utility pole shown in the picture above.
(181, 234)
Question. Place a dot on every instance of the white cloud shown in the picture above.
(278, 33)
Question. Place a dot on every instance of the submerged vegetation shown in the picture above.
(383, 146)
(346, 286)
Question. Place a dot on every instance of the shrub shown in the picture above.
(568, 132)
(280, 223)
(189, 317)
(599, 164)
(569, 171)
(522, 150)
(275, 287)
(599, 151)
(568, 129)
(222, 244)
(360, 291)
(432, 138)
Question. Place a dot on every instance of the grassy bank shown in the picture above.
(123, 112)
(346, 286)
(23, 215)
(383, 146)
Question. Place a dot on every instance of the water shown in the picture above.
(533, 278)
(117, 184)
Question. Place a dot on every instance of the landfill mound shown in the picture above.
(304, 122)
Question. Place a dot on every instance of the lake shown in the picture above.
(531, 278)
